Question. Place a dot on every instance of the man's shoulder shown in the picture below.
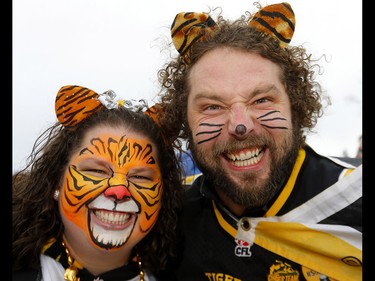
(353, 161)
(342, 161)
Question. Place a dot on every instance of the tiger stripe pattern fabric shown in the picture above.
(188, 28)
(75, 103)
(277, 20)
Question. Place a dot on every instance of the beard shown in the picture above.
(248, 189)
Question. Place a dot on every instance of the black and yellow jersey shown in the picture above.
(312, 231)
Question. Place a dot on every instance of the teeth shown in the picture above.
(111, 217)
(243, 156)
(245, 159)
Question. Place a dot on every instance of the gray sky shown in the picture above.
(120, 45)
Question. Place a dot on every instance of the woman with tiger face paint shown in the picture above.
(267, 206)
(100, 197)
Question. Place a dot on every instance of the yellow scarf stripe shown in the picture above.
(334, 250)
(289, 186)
(320, 251)
(224, 224)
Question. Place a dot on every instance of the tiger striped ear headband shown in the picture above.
(276, 20)
(75, 103)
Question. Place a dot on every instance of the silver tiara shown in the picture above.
(111, 101)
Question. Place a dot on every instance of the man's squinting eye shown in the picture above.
(262, 100)
(212, 107)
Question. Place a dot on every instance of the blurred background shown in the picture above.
(120, 45)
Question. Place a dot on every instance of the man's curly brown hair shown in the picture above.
(297, 68)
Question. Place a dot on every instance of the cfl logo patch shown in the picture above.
(242, 249)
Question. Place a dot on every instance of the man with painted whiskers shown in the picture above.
(267, 206)
(100, 197)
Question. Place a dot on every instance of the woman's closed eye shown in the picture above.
(146, 175)
(99, 172)
(96, 171)
(95, 167)
(138, 177)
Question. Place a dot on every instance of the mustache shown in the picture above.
(236, 145)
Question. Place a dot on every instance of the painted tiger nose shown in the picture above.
(118, 192)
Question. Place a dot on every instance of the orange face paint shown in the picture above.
(103, 178)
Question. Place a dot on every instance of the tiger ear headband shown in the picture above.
(276, 20)
(75, 103)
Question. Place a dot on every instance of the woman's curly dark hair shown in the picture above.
(297, 67)
(35, 213)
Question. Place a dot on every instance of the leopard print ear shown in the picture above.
(75, 103)
(188, 28)
(277, 20)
